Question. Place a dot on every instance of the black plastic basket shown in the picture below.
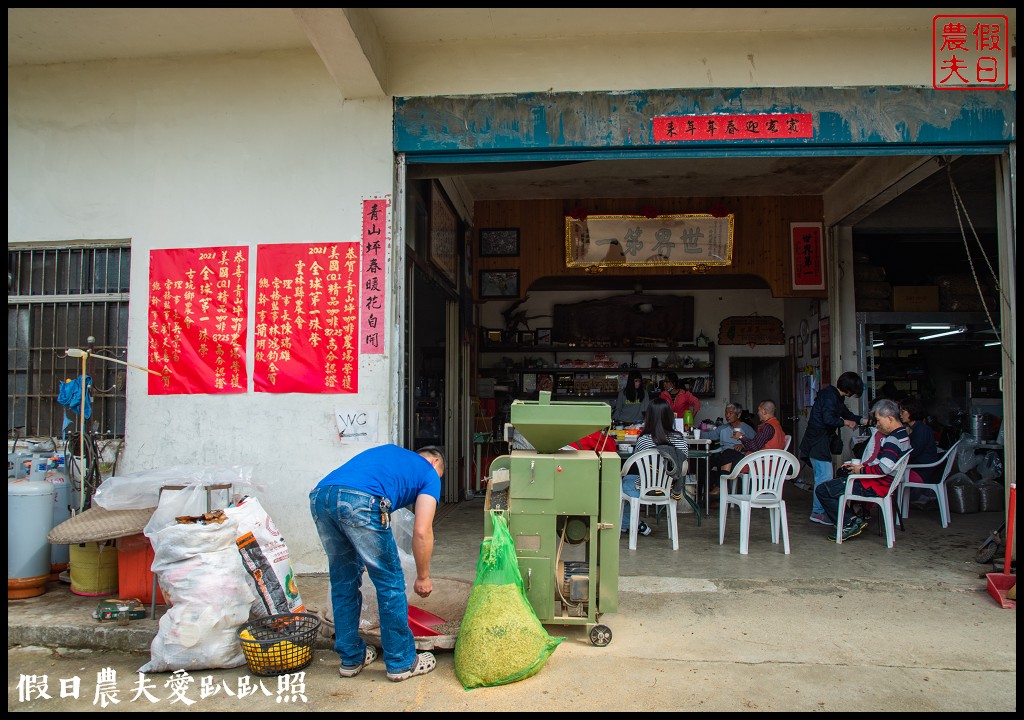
(279, 644)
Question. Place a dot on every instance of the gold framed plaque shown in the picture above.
(698, 239)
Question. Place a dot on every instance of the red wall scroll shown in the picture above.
(373, 275)
(807, 256)
(197, 320)
(307, 317)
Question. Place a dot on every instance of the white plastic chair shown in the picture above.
(655, 490)
(766, 471)
(939, 488)
(732, 487)
(899, 474)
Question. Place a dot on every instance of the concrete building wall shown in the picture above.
(224, 151)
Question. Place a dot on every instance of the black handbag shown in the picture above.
(835, 442)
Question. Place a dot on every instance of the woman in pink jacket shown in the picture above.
(680, 398)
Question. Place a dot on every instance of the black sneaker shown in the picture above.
(855, 528)
(644, 529)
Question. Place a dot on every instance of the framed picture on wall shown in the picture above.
(444, 231)
(815, 347)
(499, 283)
(543, 336)
(807, 256)
(499, 242)
(526, 337)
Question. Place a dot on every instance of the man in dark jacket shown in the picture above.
(828, 414)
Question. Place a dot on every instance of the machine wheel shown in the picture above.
(600, 635)
(990, 546)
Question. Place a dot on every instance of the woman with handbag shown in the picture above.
(821, 439)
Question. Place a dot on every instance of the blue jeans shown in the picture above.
(822, 474)
(350, 529)
(829, 492)
(629, 487)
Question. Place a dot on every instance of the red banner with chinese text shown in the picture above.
(807, 252)
(775, 126)
(307, 317)
(197, 320)
(373, 275)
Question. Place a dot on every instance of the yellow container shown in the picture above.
(93, 568)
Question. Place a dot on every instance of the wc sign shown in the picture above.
(970, 52)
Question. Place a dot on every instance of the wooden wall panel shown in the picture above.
(760, 240)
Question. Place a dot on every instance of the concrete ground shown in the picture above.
(856, 627)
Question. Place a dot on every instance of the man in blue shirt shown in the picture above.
(352, 511)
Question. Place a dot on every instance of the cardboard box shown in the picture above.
(111, 610)
(915, 298)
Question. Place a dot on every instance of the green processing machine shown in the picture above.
(562, 507)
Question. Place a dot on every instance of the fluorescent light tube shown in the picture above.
(955, 331)
(930, 326)
(880, 343)
(992, 344)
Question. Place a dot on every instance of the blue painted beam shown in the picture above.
(860, 120)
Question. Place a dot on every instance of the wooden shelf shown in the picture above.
(556, 371)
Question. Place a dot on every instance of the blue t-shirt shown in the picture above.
(388, 471)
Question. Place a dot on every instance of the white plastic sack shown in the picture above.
(141, 490)
(966, 458)
(200, 573)
(990, 466)
(266, 561)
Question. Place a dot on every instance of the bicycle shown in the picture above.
(75, 451)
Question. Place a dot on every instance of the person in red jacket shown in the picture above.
(769, 435)
(597, 440)
(679, 397)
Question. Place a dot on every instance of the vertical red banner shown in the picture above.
(373, 275)
(307, 317)
(807, 256)
(197, 320)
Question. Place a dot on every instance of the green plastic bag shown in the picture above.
(500, 640)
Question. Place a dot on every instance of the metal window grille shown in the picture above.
(58, 298)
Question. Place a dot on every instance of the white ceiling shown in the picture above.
(53, 35)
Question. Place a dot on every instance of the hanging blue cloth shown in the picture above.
(70, 396)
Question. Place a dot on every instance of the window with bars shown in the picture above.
(61, 297)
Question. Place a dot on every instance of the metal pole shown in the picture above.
(81, 438)
(122, 362)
